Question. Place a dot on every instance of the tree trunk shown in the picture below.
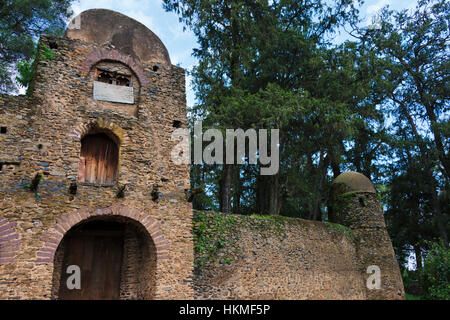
(428, 167)
(274, 195)
(237, 189)
(418, 254)
(322, 169)
(334, 165)
(262, 191)
(225, 188)
(437, 211)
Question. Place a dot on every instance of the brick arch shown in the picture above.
(54, 236)
(84, 128)
(114, 55)
(9, 241)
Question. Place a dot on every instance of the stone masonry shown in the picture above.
(55, 189)
(42, 134)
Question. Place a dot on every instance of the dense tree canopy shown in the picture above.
(377, 104)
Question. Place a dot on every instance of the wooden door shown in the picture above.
(99, 159)
(98, 253)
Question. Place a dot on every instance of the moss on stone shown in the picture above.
(270, 224)
(212, 231)
(216, 234)
(336, 227)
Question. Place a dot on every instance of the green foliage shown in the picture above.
(435, 274)
(378, 105)
(34, 184)
(228, 260)
(411, 297)
(26, 68)
(342, 229)
(267, 64)
(341, 201)
(212, 232)
(21, 23)
(432, 281)
(45, 53)
(413, 49)
(263, 217)
(277, 223)
(411, 282)
(274, 219)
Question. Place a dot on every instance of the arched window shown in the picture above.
(113, 78)
(99, 159)
(114, 82)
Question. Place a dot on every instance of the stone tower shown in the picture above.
(86, 177)
(355, 205)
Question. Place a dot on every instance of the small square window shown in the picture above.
(176, 123)
(3, 130)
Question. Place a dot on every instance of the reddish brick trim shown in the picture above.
(9, 241)
(81, 129)
(53, 237)
(114, 55)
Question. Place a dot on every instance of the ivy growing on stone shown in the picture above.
(27, 68)
(212, 232)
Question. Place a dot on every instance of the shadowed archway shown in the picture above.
(141, 221)
(116, 257)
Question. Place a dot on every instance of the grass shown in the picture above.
(412, 297)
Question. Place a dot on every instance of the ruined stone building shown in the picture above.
(86, 179)
(99, 118)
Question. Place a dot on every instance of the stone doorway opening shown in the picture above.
(116, 257)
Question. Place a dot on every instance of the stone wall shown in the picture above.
(242, 257)
(43, 137)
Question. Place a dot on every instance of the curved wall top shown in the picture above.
(106, 27)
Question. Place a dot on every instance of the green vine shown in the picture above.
(34, 184)
(212, 232)
(335, 227)
(26, 68)
(278, 222)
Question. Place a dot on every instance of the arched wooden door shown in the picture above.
(99, 159)
(97, 249)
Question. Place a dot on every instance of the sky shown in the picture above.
(179, 43)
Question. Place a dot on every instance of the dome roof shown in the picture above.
(352, 182)
(106, 27)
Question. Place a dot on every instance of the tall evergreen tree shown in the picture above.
(243, 47)
(414, 47)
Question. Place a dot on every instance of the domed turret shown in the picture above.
(106, 27)
(352, 182)
(354, 203)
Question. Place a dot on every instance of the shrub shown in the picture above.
(435, 274)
